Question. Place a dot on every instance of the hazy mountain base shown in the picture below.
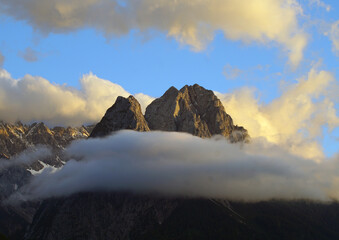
(201, 219)
(144, 217)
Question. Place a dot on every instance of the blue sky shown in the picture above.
(133, 62)
(150, 54)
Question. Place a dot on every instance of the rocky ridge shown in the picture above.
(194, 110)
(124, 114)
(14, 139)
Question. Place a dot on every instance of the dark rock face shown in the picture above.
(14, 219)
(99, 216)
(13, 223)
(124, 114)
(201, 219)
(194, 110)
(96, 216)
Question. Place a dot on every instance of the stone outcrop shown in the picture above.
(195, 110)
(124, 114)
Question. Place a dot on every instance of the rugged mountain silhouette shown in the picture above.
(15, 138)
(124, 215)
(195, 110)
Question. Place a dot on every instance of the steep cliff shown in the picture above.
(124, 114)
(195, 110)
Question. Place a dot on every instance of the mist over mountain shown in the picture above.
(169, 120)
(190, 173)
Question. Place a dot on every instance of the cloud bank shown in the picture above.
(294, 120)
(36, 99)
(180, 164)
(190, 22)
(27, 157)
(333, 34)
(2, 60)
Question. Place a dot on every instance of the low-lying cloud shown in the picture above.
(190, 22)
(180, 164)
(34, 98)
(26, 157)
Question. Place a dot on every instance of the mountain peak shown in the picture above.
(195, 110)
(192, 109)
(124, 114)
(194, 86)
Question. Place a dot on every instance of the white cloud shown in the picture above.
(144, 99)
(333, 34)
(294, 120)
(2, 59)
(181, 164)
(322, 4)
(190, 22)
(29, 55)
(36, 99)
(27, 157)
(231, 72)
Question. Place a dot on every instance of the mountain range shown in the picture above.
(126, 215)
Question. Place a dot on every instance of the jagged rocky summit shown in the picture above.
(192, 109)
(124, 114)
